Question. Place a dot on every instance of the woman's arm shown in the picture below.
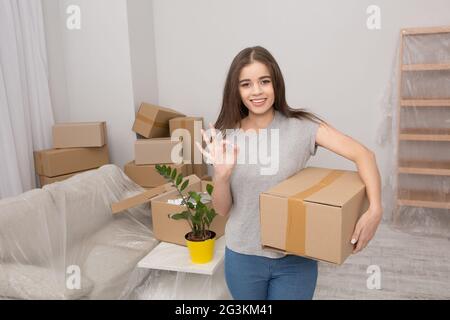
(343, 145)
(221, 196)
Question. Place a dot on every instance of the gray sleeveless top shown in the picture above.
(250, 177)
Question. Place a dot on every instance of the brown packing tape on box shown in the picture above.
(296, 225)
(150, 121)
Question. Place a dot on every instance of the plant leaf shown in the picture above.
(209, 189)
(184, 185)
(179, 216)
(194, 195)
(190, 205)
(211, 214)
(174, 173)
(200, 205)
(179, 179)
(196, 221)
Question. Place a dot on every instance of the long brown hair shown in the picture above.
(233, 109)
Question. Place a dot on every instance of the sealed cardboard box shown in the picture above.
(147, 176)
(57, 162)
(153, 121)
(158, 151)
(173, 231)
(43, 180)
(192, 133)
(313, 214)
(79, 134)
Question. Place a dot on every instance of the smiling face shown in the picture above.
(256, 88)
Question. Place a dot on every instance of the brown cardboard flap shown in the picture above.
(139, 199)
(194, 181)
(147, 196)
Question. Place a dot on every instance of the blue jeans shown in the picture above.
(250, 277)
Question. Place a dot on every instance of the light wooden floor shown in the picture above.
(412, 267)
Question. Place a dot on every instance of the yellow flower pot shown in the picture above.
(201, 251)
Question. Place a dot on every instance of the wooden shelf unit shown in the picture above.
(425, 103)
(416, 134)
(423, 199)
(440, 168)
(423, 31)
(426, 67)
(426, 167)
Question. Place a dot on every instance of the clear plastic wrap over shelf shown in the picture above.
(63, 242)
(416, 135)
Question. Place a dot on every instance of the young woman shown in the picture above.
(254, 100)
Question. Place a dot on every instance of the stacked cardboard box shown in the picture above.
(189, 129)
(160, 143)
(158, 150)
(153, 121)
(77, 147)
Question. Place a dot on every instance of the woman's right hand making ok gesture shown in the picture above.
(217, 153)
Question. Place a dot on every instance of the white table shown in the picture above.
(174, 257)
(174, 276)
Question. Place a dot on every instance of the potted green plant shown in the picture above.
(200, 240)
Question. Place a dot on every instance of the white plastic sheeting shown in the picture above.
(425, 191)
(171, 285)
(63, 242)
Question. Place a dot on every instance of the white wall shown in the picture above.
(142, 50)
(100, 72)
(177, 53)
(333, 65)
